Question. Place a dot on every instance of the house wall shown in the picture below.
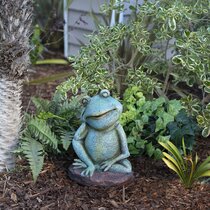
(79, 22)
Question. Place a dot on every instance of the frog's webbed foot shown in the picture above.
(106, 165)
(122, 166)
(89, 170)
(79, 164)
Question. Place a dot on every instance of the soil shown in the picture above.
(154, 185)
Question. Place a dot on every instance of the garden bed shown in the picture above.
(154, 186)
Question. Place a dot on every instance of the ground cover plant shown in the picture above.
(148, 121)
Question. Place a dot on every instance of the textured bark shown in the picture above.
(10, 121)
(15, 21)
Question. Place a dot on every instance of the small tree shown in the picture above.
(15, 21)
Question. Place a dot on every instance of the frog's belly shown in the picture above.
(102, 146)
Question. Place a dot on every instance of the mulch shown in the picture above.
(154, 185)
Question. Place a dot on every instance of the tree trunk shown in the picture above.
(15, 21)
(10, 112)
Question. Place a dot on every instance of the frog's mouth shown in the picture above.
(101, 115)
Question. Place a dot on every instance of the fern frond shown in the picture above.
(54, 107)
(34, 153)
(69, 109)
(42, 105)
(39, 129)
(66, 138)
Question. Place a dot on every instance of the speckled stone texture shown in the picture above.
(103, 179)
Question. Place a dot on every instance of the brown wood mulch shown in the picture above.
(154, 186)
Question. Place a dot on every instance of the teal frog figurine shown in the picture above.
(100, 142)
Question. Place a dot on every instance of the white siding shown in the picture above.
(80, 22)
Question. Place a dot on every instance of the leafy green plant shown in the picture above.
(50, 131)
(183, 126)
(191, 105)
(184, 165)
(145, 122)
(204, 118)
(37, 47)
(164, 45)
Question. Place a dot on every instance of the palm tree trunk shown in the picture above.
(10, 121)
(15, 21)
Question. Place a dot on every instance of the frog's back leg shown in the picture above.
(122, 166)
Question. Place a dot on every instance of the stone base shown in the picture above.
(103, 179)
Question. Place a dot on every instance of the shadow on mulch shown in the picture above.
(154, 186)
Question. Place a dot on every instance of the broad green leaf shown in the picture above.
(159, 124)
(140, 144)
(174, 106)
(130, 139)
(158, 154)
(167, 118)
(150, 149)
(163, 139)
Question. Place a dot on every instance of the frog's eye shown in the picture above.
(85, 100)
(105, 93)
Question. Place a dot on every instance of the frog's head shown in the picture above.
(101, 111)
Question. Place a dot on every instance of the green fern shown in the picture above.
(42, 105)
(50, 131)
(39, 129)
(66, 138)
(34, 152)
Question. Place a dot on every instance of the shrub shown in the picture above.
(184, 166)
(204, 118)
(138, 53)
(147, 121)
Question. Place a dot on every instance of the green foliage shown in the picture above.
(204, 118)
(36, 45)
(204, 121)
(184, 165)
(47, 27)
(34, 152)
(185, 127)
(145, 122)
(191, 105)
(148, 121)
(50, 131)
(164, 45)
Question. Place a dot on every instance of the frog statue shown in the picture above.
(100, 142)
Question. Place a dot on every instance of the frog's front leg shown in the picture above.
(106, 165)
(78, 145)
